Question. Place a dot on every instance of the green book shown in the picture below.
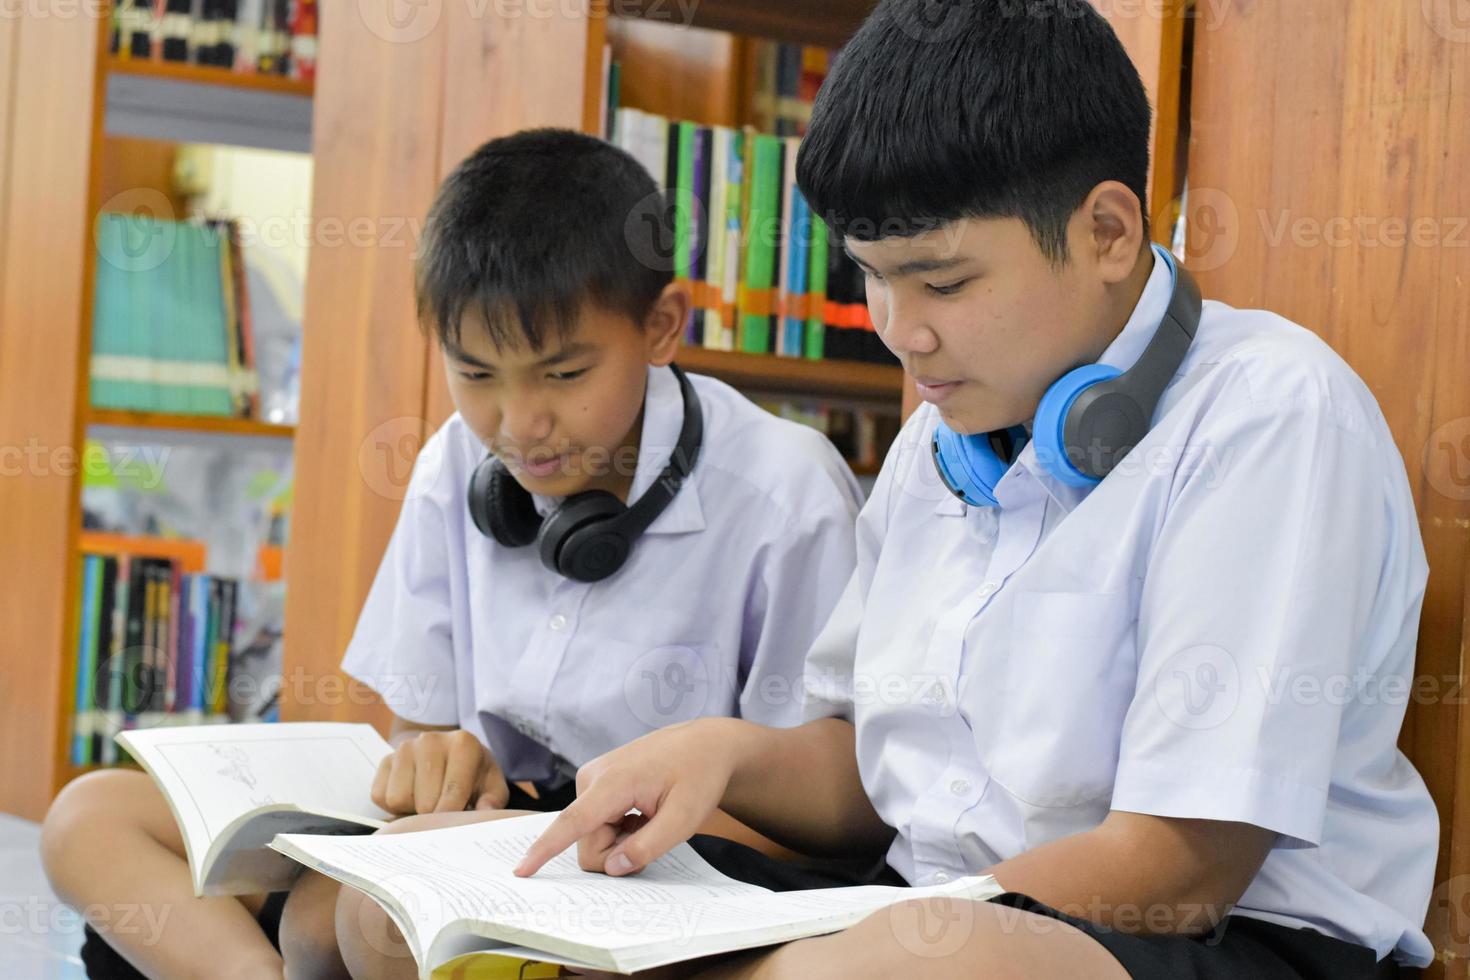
(816, 325)
(760, 248)
(684, 201)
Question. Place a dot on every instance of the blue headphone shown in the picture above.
(1088, 420)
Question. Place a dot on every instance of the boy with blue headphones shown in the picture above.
(1131, 588)
(595, 545)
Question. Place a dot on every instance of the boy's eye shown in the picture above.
(568, 375)
(872, 274)
(947, 290)
(473, 375)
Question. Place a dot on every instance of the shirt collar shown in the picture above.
(663, 417)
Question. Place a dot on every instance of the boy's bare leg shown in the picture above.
(370, 944)
(309, 930)
(111, 849)
(937, 939)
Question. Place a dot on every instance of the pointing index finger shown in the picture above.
(571, 825)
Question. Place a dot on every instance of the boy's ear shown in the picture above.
(1113, 219)
(664, 328)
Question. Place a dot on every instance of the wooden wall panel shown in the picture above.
(376, 121)
(9, 31)
(490, 55)
(46, 238)
(680, 72)
(1153, 35)
(1334, 192)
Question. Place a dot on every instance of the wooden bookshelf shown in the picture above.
(66, 98)
(794, 375)
(827, 23)
(210, 424)
(204, 75)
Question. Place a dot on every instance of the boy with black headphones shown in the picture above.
(1144, 569)
(593, 546)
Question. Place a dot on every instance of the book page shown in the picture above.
(676, 909)
(214, 774)
(437, 877)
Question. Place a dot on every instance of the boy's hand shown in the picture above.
(440, 772)
(675, 777)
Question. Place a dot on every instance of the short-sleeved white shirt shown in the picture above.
(1223, 629)
(712, 614)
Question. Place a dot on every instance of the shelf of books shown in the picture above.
(779, 307)
(191, 345)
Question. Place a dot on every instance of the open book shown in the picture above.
(452, 894)
(233, 788)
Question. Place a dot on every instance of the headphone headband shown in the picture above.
(653, 501)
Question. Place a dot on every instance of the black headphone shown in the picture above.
(590, 536)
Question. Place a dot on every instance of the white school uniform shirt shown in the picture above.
(711, 615)
(1223, 629)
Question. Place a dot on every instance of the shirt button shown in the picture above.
(988, 589)
(558, 622)
(940, 877)
(959, 787)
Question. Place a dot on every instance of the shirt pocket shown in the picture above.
(1069, 681)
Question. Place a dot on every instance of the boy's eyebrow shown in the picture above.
(464, 357)
(912, 266)
(566, 354)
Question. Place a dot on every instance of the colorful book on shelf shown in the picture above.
(155, 643)
(763, 270)
(171, 328)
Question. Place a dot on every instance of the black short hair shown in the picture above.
(939, 110)
(529, 228)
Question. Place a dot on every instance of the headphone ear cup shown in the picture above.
(967, 465)
(581, 541)
(500, 507)
(1073, 463)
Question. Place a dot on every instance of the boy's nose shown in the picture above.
(525, 426)
(902, 331)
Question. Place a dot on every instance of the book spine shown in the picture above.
(699, 232)
(762, 229)
(816, 288)
(226, 645)
(86, 656)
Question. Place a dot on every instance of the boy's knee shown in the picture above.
(308, 930)
(86, 806)
(369, 943)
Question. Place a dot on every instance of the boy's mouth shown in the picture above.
(935, 390)
(544, 468)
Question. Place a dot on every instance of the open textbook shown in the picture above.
(453, 895)
(233, 788)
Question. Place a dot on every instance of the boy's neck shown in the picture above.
(1125, 296)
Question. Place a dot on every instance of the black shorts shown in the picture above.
(1240, 947)
(105, 963)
